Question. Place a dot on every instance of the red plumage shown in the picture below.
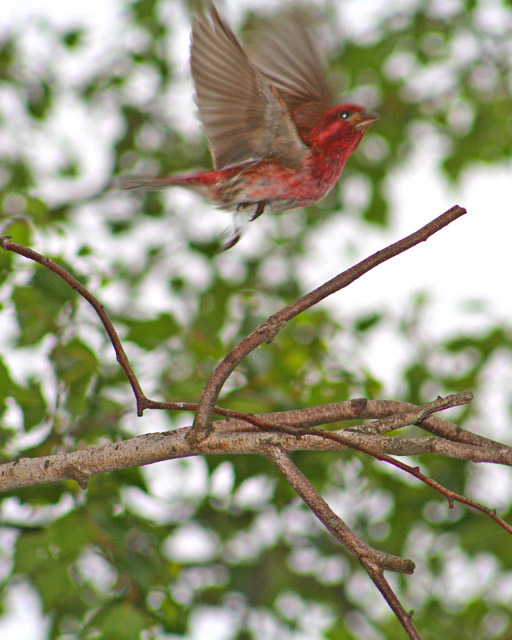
(277, 141)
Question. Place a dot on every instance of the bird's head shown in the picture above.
(341, 129)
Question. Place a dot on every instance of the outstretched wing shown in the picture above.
(243, 115)
(284, 51)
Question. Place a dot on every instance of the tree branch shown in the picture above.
(267, 331)
(283, 432)
(333, 523)
(8, 245)
(230, 437)
(373, 560)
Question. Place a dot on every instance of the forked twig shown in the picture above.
(405, 419)
(143, 402)
(374, 561)
(272, 326)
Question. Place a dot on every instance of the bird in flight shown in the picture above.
(277, 139)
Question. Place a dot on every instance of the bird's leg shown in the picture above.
(232, 241)
(236, 235)
(260, 208)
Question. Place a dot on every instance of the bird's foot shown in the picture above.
(260, 208)
(232, 241)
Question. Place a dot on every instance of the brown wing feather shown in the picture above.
(286, 54)
(244, 117)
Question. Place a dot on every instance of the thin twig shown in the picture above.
(333, 523)
(405, 618)
(402, 413)
(416, 415)
(450, 495)
(7, 244)
(373, 560)
(268, 330)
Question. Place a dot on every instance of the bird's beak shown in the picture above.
(365, 119)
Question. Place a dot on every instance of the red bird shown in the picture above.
(276, 138)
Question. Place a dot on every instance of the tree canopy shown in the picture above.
(221, 544)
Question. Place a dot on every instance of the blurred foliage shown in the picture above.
(109, 562)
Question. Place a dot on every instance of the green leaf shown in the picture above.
(7, 56)
(32, 403)
(20, 231)
(38, 306)
(378, 209)
(38, 211)
(53, 287)
(73, 39)
(70, 534)
(71, 169)
(120, 621)
(36, 314)
(75, 364)
(153, 333)
(40, 100)
(6, 261)
(368, 322)
(55, 586)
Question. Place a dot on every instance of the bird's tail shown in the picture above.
(149, 184)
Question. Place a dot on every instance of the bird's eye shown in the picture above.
(345, 114)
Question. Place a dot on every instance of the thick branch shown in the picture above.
(230, 437)
(273, 325)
